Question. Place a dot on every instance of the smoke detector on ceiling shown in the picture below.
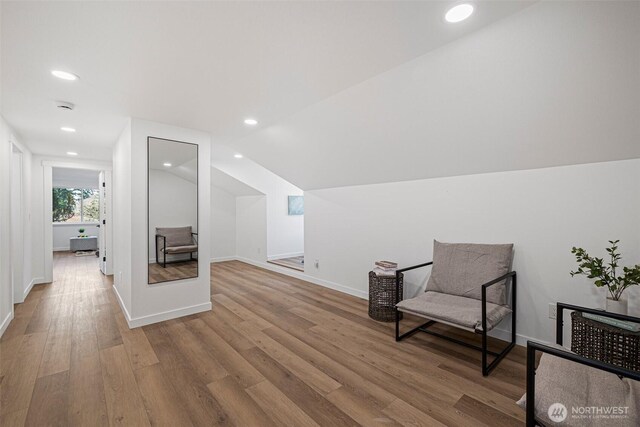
(64, 105)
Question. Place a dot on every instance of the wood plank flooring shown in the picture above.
(274, 351)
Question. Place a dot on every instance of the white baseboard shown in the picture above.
(280, 256)
(223, 259)
(127, 316)
(168, 315)
(159, 317)
(61, 249)
(5, 322)
(302, 276)
(34, 281)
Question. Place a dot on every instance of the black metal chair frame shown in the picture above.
(164, 253)
(486, 368)
(533, 347)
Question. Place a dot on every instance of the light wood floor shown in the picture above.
(274, 351)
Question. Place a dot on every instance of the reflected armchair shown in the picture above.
(174, 241)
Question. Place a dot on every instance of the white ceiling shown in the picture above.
(556, 84)
(201, 65)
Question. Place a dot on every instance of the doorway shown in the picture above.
(78, 210)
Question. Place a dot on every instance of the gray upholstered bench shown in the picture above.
(467, 290)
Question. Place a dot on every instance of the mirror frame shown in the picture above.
(149, 138)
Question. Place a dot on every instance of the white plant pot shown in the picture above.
(619, 306)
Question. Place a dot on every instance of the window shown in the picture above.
(76, 205)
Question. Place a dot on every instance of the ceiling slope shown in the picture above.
(555, 84)
(201, 65)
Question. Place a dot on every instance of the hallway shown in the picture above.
(274, 351)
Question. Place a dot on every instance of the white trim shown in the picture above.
(62, 249)
(223, 259)
(127, 316)
(302, 276)
(5, 323)
(33, 282)
(289, 255)
(79, 164)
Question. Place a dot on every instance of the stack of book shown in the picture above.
(385, 268)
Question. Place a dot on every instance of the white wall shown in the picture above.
(63, 232)
(285, 234)
(121, 184)
(172, 203)
(251, 228)
(223, 225)
(543, 212)
(157, 302)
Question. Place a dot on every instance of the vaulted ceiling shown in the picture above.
(202, 65)
(345, 92)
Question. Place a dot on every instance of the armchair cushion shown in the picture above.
(181, 249)
(579, 386)
(176, 236)
(462, 268)
(459, 311)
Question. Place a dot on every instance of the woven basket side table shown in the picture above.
(382, 297)
(606, 343)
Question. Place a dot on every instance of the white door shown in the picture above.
(102, 236)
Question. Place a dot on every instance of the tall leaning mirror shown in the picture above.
(172, 210)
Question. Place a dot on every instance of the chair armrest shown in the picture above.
(560, 320)
(484, 295)
(402, 270)
(533, 346)
(499, 279)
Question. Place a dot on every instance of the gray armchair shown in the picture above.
(467, 290)
(174, 241)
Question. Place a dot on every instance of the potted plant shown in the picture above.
(81, 231)
(607, 275)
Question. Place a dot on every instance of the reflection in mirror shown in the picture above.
(172, 210)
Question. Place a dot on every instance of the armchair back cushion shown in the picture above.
(462, 268)
(176, 236)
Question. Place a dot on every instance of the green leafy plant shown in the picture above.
(81, 230)
(607, 274)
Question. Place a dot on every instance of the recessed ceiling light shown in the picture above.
(250, 122)
(166, 165)
(237, 156)
(71, 153)
(459, 13)
(64, 75)
(67, 129)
